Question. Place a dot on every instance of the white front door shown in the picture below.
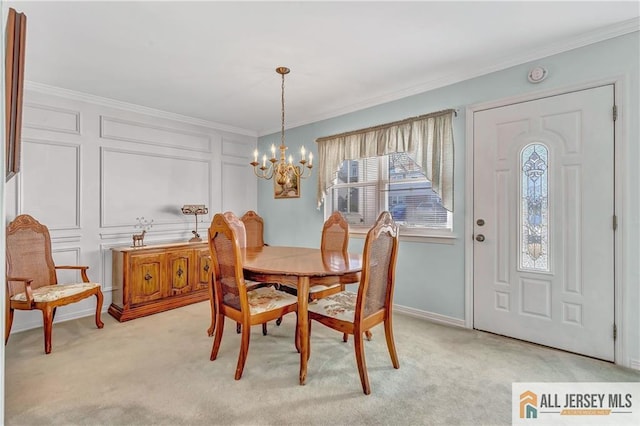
(543, 191)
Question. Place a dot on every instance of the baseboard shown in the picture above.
(634, 363)
(431, 316)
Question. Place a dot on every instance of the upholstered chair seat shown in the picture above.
(267, 299)
(341, 306)
(51, 293)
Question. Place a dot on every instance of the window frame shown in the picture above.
(435, 235)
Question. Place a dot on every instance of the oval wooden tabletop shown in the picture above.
(300, 261)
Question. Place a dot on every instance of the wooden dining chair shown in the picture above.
(241, 236)
(335, 238)
(254, 226)
(232, 297)
(353, 313)
(32, 281)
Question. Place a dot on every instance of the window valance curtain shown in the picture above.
(428, 139)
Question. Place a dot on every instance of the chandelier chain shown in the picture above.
(282, 97)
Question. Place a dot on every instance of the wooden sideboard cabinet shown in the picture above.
(155, 278)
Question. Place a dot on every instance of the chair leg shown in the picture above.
(297, 335)
(8, 321)
(244, 350)
(309, 341)
(345, 336)
(264, 328)
(47, 318)
(388, 332)
(362, 364)
(99, 298)
(212, 327)
(218, 337)
(238, 327)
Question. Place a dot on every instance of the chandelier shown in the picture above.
(282, 169)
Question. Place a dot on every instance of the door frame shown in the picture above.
(621, 356)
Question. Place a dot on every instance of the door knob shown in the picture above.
(480, 222)
(480, 237)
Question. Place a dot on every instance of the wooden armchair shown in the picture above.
(353, 313)
(31, 277)
(232, 298)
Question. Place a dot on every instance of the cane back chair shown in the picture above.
(353, 313)
(32, 281)
(241, 236)
(232, 298)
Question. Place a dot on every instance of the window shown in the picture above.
(364, 188)
(534, 209)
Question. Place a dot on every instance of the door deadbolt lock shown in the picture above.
(480, 237)
(480, 222)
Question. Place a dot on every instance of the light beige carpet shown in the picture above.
(156, 371)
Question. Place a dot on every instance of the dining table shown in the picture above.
(303, 267)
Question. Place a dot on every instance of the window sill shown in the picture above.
(435, 237)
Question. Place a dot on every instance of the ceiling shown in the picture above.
(216, 61)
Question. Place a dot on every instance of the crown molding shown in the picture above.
(585, 39)
(112, 103)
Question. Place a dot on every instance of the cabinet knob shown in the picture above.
(206, 267)
(147, 277)
(180, 272)
(480, 237)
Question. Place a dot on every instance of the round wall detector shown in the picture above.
(537, 74)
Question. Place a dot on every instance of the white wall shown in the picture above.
(90, 167)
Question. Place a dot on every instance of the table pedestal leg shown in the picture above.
(303, 325)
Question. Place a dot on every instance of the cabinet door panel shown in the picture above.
(204, 269)
(180, 264)
(146, 278)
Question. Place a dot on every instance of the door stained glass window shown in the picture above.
(534, 212)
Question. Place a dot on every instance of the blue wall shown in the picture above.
(430, 276)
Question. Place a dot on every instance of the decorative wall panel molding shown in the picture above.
(67, 256)
(50, 184)
(54, 119)
(235, 198)
(58, 239)
(139, 132)
(238, 149)
(154, 186)
(171, 235)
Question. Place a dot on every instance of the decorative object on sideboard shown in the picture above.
(145, 225)
(287, 175)
(195, 209)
